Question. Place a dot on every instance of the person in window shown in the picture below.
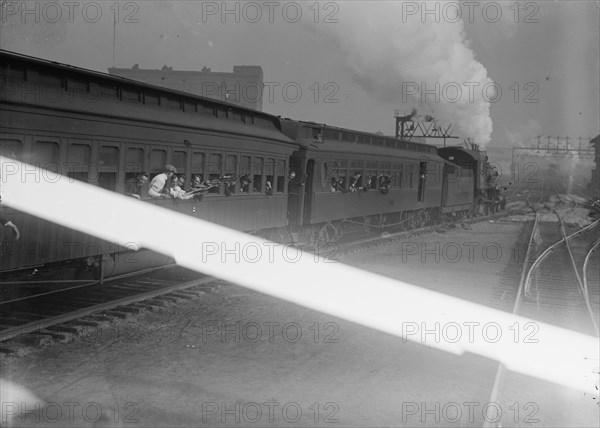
(158, 185)
(7, 223)
(196, 183)
(245, 183)
(134, 186)
(268, 188)
(385, 183)
(334, 184)
(174, 188)
(198, 188)
(356, 182)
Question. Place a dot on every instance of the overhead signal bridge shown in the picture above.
(560, 148)
(408, 127)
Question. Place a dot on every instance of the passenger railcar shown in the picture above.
(354, 177)
(104, 130)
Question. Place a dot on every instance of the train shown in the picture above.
(310, 183)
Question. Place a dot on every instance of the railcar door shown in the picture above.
(296, 190)
(422, 178)
(447, 170)
(309, 189)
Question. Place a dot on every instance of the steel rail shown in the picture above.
(34, 326)
(88, 284)
(585, 263)
(551, 248)
(501, 368)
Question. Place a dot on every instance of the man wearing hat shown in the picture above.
(158, 185)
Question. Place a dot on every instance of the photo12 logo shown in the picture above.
(270, 331)
(469, 411)
(35, 12)
(254, 12)
(468, 92)
(471, 11)
(69, 412)
(269, 412)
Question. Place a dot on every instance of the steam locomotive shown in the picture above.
(304, 182)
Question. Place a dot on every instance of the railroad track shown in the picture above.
(554, 290)
(559, 284)
(60, 312)
(60, 309)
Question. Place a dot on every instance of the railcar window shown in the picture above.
(397, 175)
(78, 86)
(151, 99)
(231, 169)
(134, 165)
(14, 73)
(281, 175)
(158, 159)
(179, 161)
(198, 164)
(170, 102)
(48, 80)
(107, 90)
(208, 110)
(215, 170)
(331, 135)
(134, 159)
(245, 172)
(411, 170)
(222, 112)
(370, 175)
(46, 155)
(237, 115)
(270, 168)
(348, 137)
(78, 160)
(340, 176)
(11, 148)
(245, 165)
(258, 167)
(108, 166)
(190, 106)
(386, 170)
(356, 164)
(131, 95)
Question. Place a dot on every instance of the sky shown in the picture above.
(501, 73)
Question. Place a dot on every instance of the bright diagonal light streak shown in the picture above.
(561, 356)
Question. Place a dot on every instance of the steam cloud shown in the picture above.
(390, 58)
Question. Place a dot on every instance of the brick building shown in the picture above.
(243, 87)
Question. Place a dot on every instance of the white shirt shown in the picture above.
(157, 185)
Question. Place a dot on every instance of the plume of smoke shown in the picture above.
(388, 55)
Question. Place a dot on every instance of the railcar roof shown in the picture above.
(364, 151)
(429, 148)
(100, 75)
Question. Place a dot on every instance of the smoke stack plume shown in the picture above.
(410, 61)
